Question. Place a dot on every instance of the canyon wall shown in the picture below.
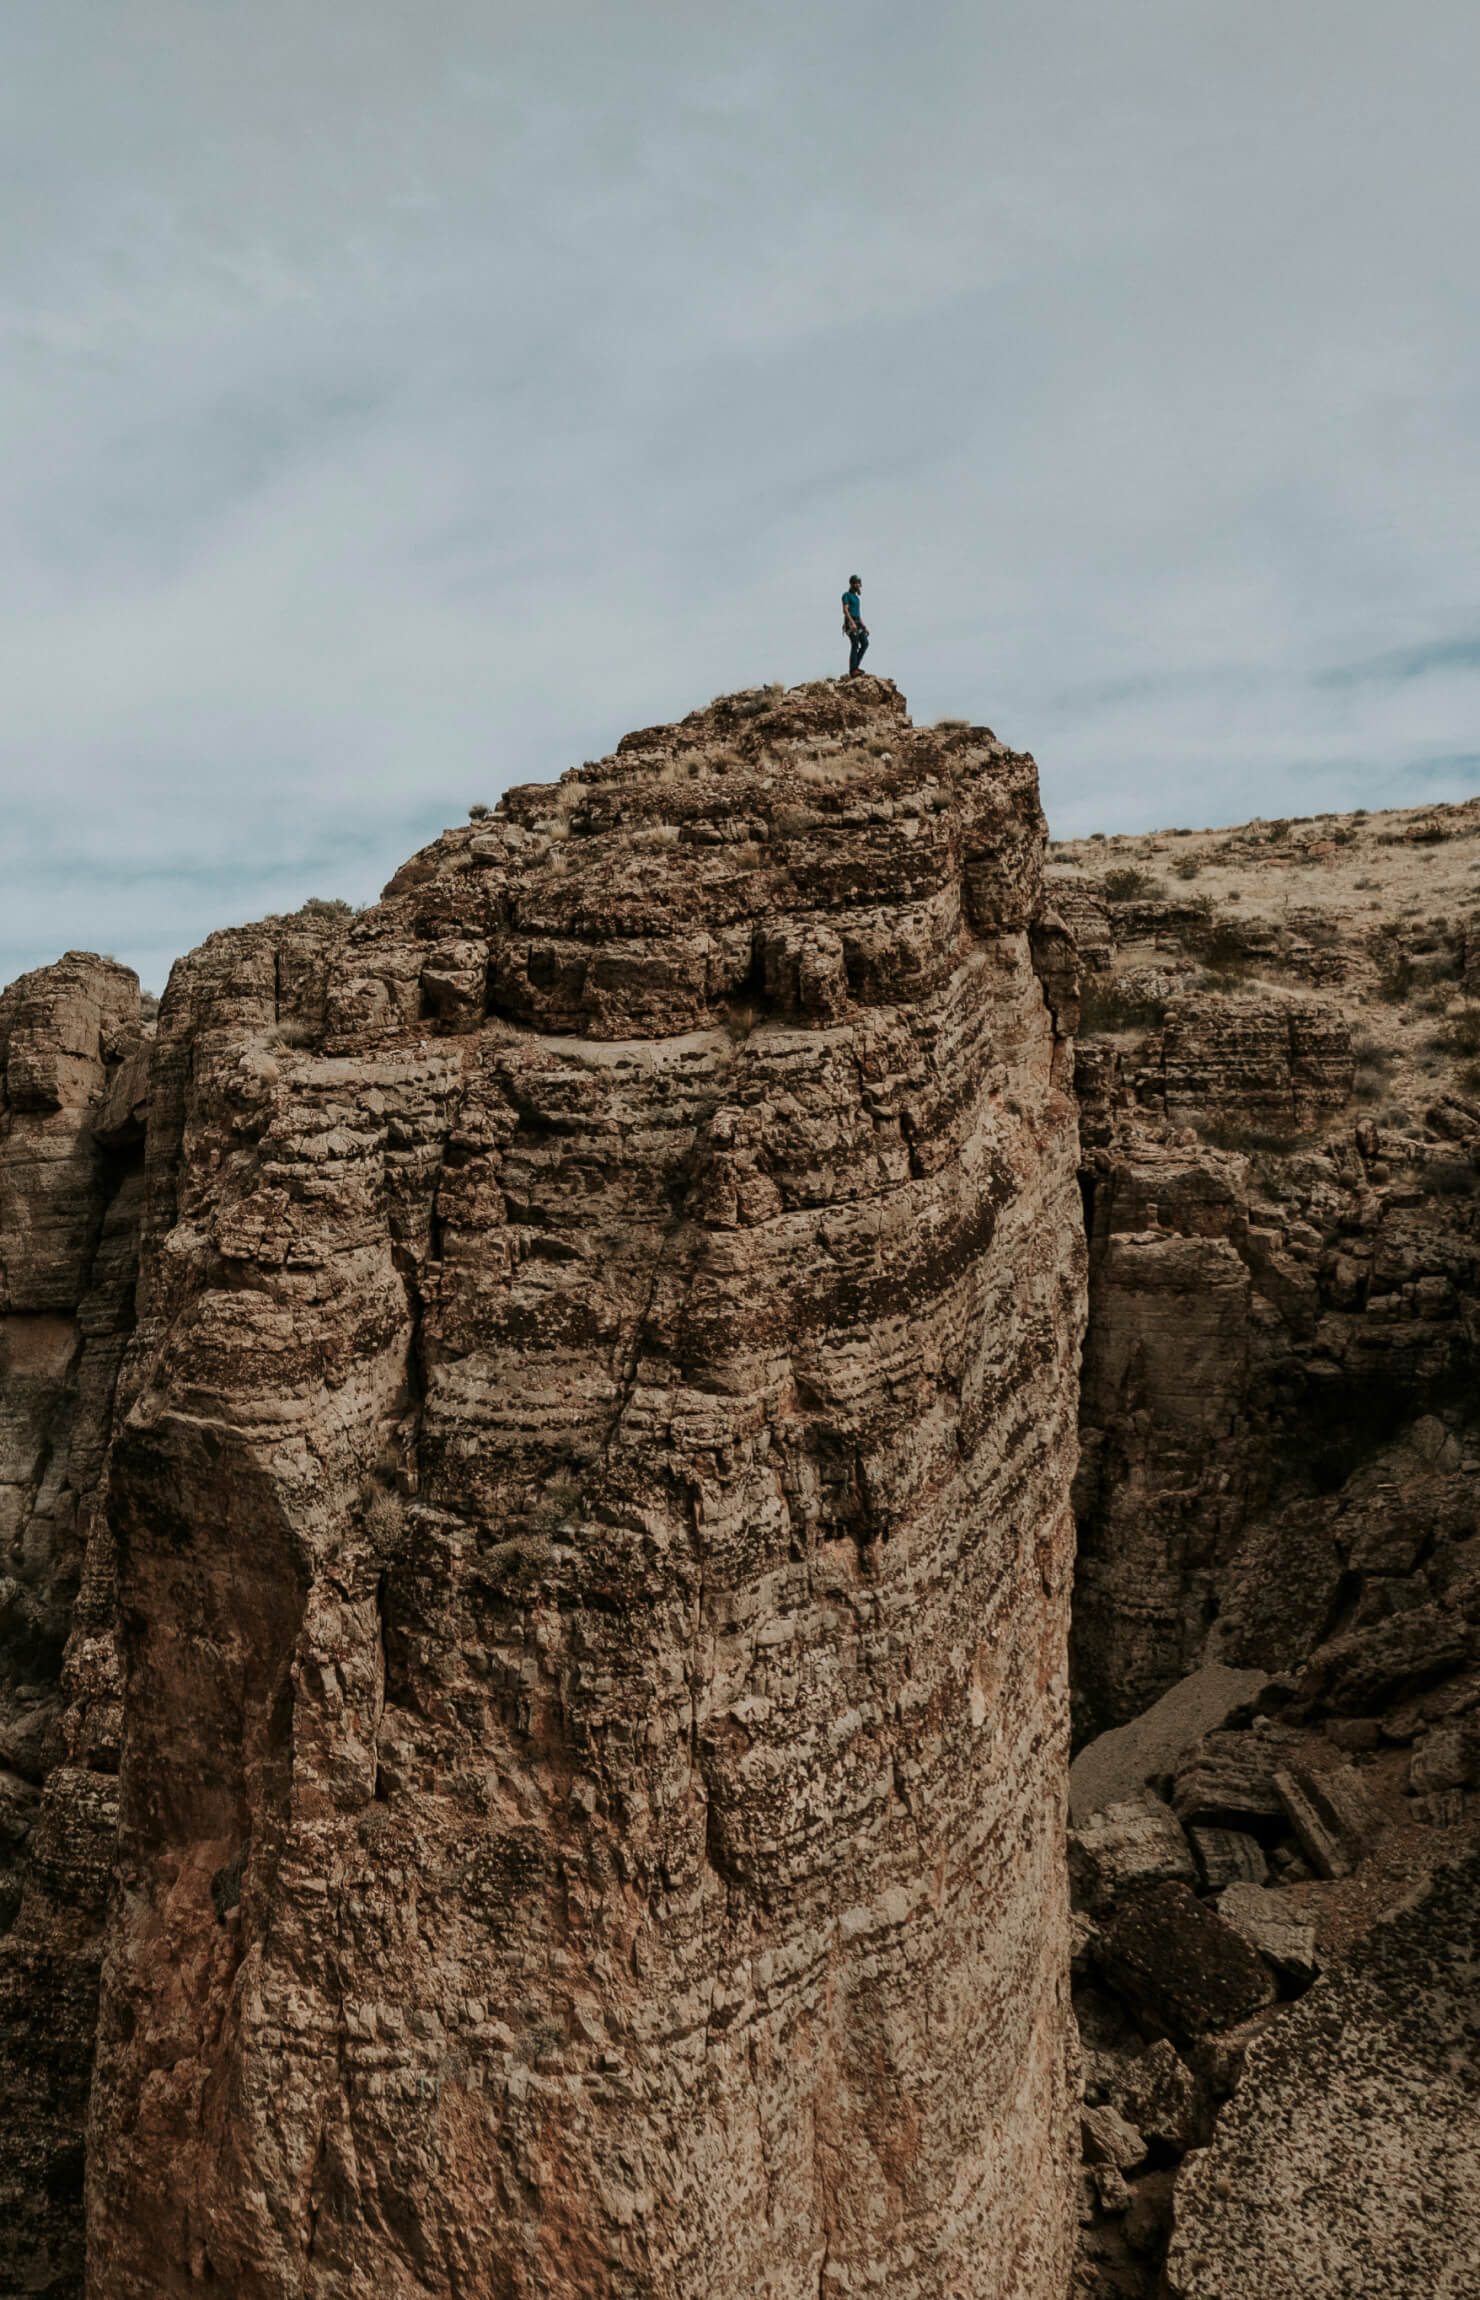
(592, 1553)
(72, 1070)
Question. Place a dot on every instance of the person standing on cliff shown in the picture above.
(855, 630)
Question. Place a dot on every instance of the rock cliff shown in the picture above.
(588, 1509)
(1276, 1610)
(537, 1433)
(73, 1064)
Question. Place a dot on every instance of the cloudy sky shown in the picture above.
(403, 400)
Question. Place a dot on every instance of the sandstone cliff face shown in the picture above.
(72, 1060)
(593, 1550)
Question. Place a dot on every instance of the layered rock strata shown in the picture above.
(1280, 1471)
(73, 1060)
(593, 1550)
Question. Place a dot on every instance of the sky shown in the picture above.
(403, 401)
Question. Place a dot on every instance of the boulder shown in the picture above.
(1272, 1923)
(1118, 1764)
(1331, 1813)
(1228, 1782)
(1228, 1857)
(1448, 1757)
(1162, 2098)
(1126, 1848)
(1108, 2138)
(1367, 1668)
(1347, 2164)
(1181, 1967)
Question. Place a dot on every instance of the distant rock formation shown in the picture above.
(1280, 1471)
(593, 1549)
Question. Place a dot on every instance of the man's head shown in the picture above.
(855, 582)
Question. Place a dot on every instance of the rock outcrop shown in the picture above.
(592, 1546)
(1276, 1608)
(72, 1059)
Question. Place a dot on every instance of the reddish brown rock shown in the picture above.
(593, 1546)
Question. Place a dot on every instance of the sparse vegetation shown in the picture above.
(1461, 1033)
(290, 1034)
(383, 1514)
(1108, 1003)
(148, 1006)
(1188, 867)
(1395, 981)
(478, 812)
(1277, 832)
(1241, 1134)
(1371, 1066)
(325, 906)
(1127, 884)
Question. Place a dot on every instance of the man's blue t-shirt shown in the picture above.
(853, 605)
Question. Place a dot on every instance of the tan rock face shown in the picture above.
(70, 1195)
(593, 1551)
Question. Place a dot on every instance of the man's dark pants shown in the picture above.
(857, 650)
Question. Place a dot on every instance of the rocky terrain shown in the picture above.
(572, 1618)
(1277, 1611)
(536, 1436)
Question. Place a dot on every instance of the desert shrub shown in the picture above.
(383, 1514)
(1188, 867)
(1469, 1078)
(951, 726)
(1107, 1004)
(1126, 883)
(325, 906)
(1245, 1134)
(290, 1034)
(1461, 1033)
(1097, 838)
(1371, 1066)
(1395, 981)
(1367, 884)
(1449, 1177)
(1225, 953)
(148, 1006)
(1276, 832)
(1344, 836)
(478, 812)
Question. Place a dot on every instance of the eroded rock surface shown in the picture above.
(70, 1195)
(593, 1550)
(1347, 2165)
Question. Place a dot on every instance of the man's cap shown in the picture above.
(855, 578)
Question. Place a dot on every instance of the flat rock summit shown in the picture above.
(580, 1448)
